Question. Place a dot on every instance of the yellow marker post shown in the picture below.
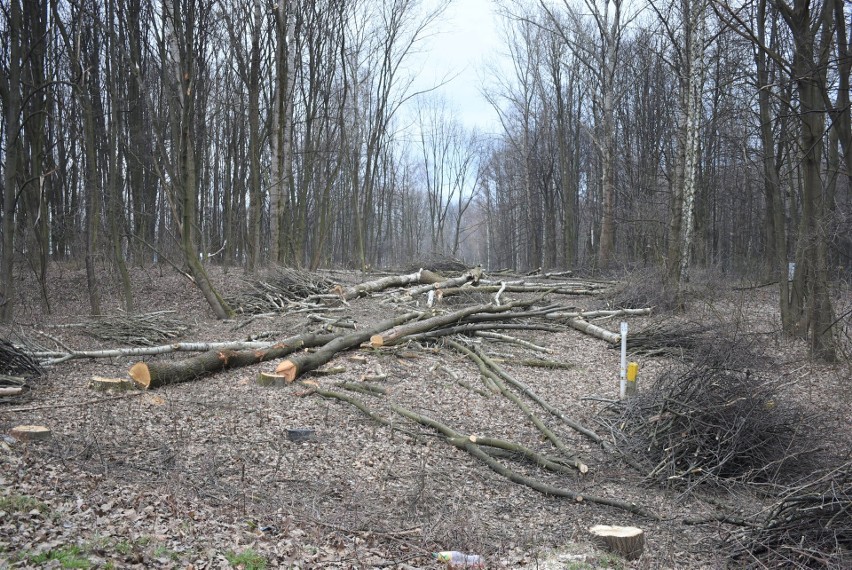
(632, 372)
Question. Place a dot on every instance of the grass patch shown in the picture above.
(163, 552)
(247, 559)
(22, 504)
(68, 557)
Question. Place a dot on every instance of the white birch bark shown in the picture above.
(692, 124)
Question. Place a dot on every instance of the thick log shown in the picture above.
(52, 358)
(363, 289)
(13, 391)
(292, 368)
(473, 276)
(155, 374)
(394, 336)
(594, 330)
(628, 541)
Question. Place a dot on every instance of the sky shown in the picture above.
(467, 38)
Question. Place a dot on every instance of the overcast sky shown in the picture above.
(468, 37)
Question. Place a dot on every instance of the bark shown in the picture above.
(811, 280)
(694, 98)
(628, 541)
(52, 358)
(594, 330)
(600, 314)
(364, 289)
(156, 374)
(473, 276)
(776, 220)
(396, 335)
(294, 367)
(255, 193)
(10, 91)
(180, 32)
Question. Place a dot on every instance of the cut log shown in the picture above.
(30, 433)
(292, 368)
(363, 289)
(156, 374)
(600, 314)
(628, 541)
(594, 330)
(394, 336)
(13, 391)
(100, 384)
(52, 358)
(473, 276)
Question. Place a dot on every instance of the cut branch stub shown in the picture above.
(628, 541)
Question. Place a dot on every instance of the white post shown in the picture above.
(623, 388)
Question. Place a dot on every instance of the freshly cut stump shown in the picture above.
(627, 541)
(272, 380)
(101, 384)
(30, 433)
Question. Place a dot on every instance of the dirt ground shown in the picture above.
(202, 474)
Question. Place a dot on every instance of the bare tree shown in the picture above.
(185, 33)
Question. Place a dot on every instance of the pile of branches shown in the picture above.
(668, 338)
(146, 329)
(16, 363)
(439, 263)
(709, 343)
(279, 290)
(710, 423)
(644, 288)
(810, 526)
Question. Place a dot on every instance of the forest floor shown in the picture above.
(202, 474)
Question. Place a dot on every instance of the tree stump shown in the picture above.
(628, 541)
(100, 384)
(30, 433)
(272, 380)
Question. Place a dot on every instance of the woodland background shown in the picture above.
(246, 134)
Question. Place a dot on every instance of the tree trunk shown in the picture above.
(811, 280)
(10, 91)
(180, 34)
